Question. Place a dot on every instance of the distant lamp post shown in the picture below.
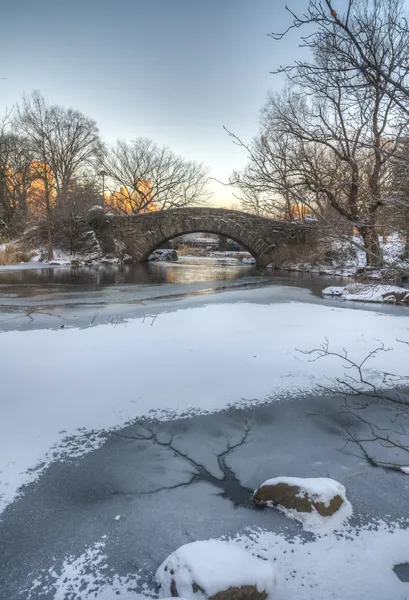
(103, 174)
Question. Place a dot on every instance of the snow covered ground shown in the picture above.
(354, 564)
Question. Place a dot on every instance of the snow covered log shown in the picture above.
(362, 292)
(215, 570)
(300, 498)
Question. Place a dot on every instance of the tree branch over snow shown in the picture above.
(365, 390)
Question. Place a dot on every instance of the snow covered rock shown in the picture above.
(97, 208)
(365, 292)
(248, 261)
(334, 290)
(169, 255)
(311, 501)
(215, 570)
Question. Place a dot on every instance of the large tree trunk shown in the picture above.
(406, 235)
(49, 225)
(370, 239)
(50, 242)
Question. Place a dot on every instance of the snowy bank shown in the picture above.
(347, 258)
(315, 502)
(370, 293)
(204, 569)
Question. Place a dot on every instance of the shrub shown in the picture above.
(11, 255)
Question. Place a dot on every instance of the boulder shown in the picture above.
(215, 570)
(321, 495)
(167, 254)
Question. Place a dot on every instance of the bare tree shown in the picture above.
(341, 130)
(15, 177)
(372, 41)
(69, 139)
(33, 122)
(263, 186)
(355, 134)
(144, 176)
(62, 142)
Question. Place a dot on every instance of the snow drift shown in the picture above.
(203, 569)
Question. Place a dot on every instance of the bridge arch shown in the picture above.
(226, 235)
(258, 235)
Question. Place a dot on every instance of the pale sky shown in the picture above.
(175, 71)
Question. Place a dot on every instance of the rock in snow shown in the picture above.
(362, 292)
(217, 570)
(169, 255)
(312, 501)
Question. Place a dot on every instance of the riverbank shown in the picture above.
(345, 258)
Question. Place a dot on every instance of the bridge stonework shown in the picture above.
(259, 235)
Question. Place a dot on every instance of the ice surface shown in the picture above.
(61, 400)
(85, 577)
(214, 566)
(88, 493)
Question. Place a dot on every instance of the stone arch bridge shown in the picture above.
(259, 235)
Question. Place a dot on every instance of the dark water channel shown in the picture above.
(178, 278)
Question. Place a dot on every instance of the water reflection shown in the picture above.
(107, 283)
(203, 271)
(145, 273)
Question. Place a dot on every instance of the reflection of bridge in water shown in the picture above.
(259, 235)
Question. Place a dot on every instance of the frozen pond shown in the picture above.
(141, 408)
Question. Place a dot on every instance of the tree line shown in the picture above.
(335, 140)
(54, 166)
